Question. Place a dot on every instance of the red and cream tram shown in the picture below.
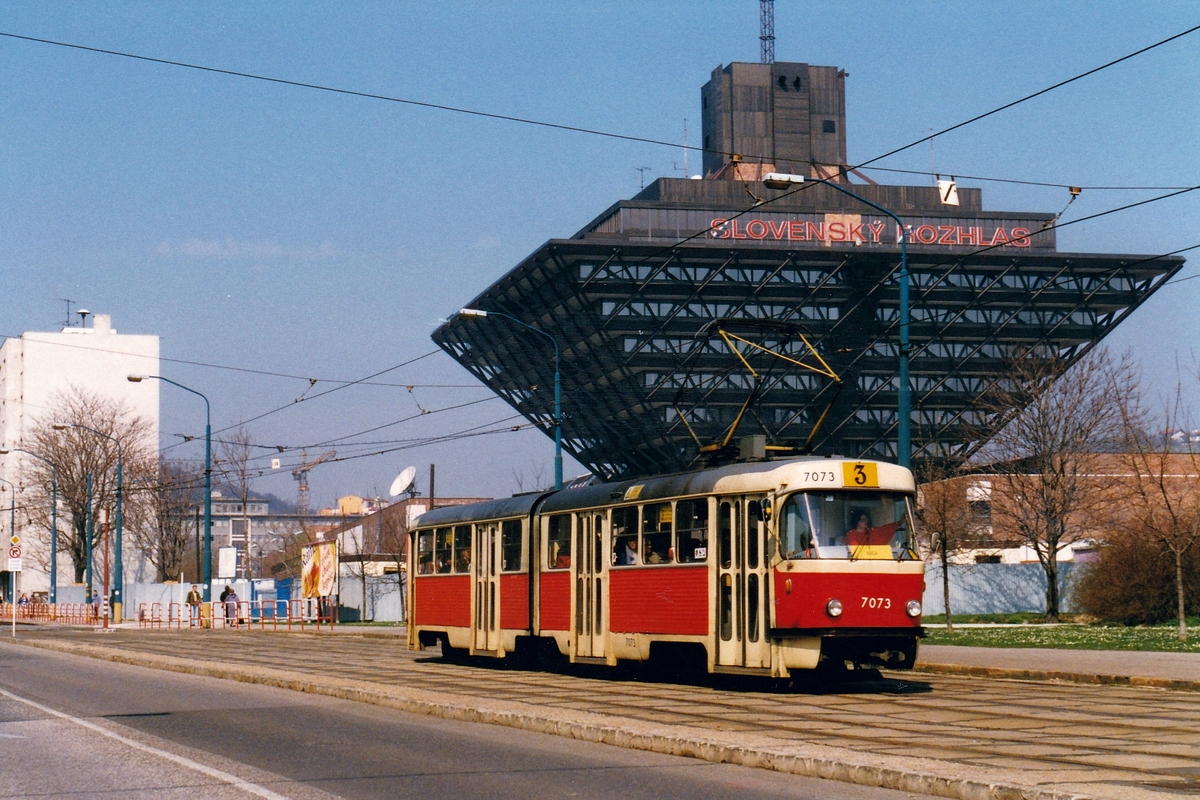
(761, 568)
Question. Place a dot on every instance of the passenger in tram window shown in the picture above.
(443, 551)
(462, 547)
(656, 533)
(463, 562)
(627, 551)
(425, 553)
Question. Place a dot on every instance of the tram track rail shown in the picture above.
(942, 735)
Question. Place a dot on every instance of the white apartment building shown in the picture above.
(34, 369)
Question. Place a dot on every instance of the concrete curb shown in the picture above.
(816, 761)
(1053, 675)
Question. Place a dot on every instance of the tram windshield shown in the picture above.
(850, 525)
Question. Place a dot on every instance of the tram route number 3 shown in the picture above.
(860, 474)
(877, 602)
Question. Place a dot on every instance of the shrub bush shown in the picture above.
(1133, 582)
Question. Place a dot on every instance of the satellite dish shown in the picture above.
(403, 481)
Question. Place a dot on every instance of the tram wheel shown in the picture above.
(454, 655)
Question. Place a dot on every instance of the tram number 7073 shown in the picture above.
(877, 602)
(825, 476)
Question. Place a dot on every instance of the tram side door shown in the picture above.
(741, 584)
(486, 599)
(588, 592)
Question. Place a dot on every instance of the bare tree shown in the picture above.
(1043, 454)
(944, 519)
(1163, 492)
(237, 474)
(354, 547)
(79, 453)
(165, 538)
(535, 478)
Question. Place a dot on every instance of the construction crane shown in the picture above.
(300, 473)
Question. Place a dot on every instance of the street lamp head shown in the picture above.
(472, 312)
(782, 180)
(59, 426)
(135, 378)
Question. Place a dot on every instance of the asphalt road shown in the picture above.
(72, 726)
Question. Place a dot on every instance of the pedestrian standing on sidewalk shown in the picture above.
(194, 599)
(230, 598)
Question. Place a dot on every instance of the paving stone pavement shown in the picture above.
(1056, 739)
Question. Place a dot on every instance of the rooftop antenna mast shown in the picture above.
(766, 36)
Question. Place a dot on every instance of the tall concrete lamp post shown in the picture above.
(476, 312)
(779, 180)
(206, 567)
(118, 568)
(53, 517)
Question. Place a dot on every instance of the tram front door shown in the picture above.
(485, 622)
(588, 587)
(742, 572)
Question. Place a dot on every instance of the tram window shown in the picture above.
(443, 550)
(598, 541)
(558, 542)
(725, 534)
(656, 533)
(753, 534)
(624, 536)
(691, 530)
(512, 544)
(752, 596)
(462, 548)
(855, 525)
(425, 552)
(795, 536)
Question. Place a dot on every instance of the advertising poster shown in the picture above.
(319, 570)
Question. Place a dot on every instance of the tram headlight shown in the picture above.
(913, 608)
(834, 608)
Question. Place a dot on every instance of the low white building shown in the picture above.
(35, 369)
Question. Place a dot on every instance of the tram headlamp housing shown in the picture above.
(834, 608)
(913, 608)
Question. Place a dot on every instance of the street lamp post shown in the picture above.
(12, 531)
(207, 565)
(53, 517)
(118, 571)
(475, 312)
(777, 180)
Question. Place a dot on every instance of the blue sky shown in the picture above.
(287, 230)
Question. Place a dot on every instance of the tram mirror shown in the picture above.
(766, 509)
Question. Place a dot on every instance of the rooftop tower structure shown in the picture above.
(780, 117)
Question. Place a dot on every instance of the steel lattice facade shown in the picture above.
(637, 314)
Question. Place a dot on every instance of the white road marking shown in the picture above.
(220, 775)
